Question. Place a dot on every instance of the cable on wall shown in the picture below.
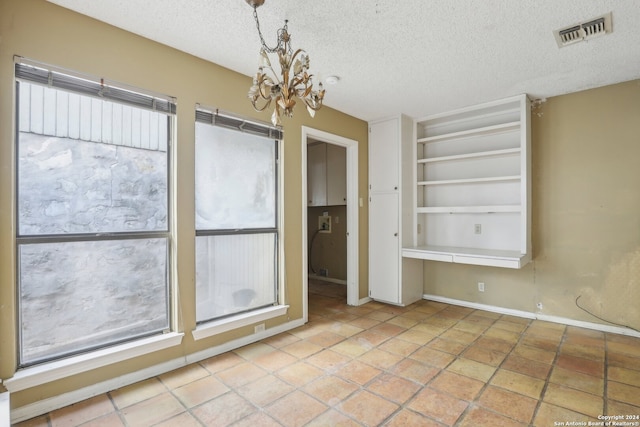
(604, 320)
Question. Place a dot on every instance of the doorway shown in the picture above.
(317, 220)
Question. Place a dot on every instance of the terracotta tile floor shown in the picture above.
(429, 364)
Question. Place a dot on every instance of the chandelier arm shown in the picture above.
(306, 92)
(264, 82)
(264, 91)
(304, 64)
(296, 53)
(314, 108)
(297, 82)
(276, 79)
(303, 79)
(302, 89)
(264, 107)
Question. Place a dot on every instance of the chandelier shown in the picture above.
(294, 80)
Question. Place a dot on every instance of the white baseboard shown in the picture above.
(589, 325)
(60, 401)
(47, 405)
(538, 316)
(365, 300)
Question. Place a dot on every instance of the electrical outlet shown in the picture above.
(480, 286)
(324, 224)
(539, 305)
(258, 328)
(477, 228)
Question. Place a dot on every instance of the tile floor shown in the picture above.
(429, 364)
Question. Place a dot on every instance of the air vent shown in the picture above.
(583, 31)
(570, 35)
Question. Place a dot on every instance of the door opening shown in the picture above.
(330, 214)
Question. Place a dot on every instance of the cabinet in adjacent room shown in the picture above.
(392, 279)
(336, 175)
(326, 174)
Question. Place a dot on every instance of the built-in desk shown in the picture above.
(474, 256)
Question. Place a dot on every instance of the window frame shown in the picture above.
(36, 73)
(211, 326)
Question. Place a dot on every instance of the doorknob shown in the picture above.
(395, 234)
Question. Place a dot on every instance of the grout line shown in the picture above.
(548, 378)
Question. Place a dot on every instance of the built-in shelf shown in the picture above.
(487, 130)
(493, 153)
(472, 178)
(471, 209)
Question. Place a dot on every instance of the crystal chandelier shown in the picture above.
(293, 82)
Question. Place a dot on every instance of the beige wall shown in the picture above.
(47, 33)
(586, 215)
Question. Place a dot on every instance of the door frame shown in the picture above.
(353, 263)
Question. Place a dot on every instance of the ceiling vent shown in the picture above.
(584, 31)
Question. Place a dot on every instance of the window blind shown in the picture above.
(55, 79)
(235, 123)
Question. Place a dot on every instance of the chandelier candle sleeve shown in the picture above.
(293, 81)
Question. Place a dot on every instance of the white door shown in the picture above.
(384, 173)
(384, 248)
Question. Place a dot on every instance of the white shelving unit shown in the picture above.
(473, 186)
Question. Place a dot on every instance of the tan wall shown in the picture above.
(329, 249)
(47, 33)
(586, 215)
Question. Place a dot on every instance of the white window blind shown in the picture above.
(47, 76)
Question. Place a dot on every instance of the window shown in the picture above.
(236, 176)
(92, 221)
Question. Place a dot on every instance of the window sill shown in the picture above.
(48, 372)
(219, 326)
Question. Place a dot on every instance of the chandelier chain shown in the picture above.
(264, 44)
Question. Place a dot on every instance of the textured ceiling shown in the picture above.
(416, 57)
